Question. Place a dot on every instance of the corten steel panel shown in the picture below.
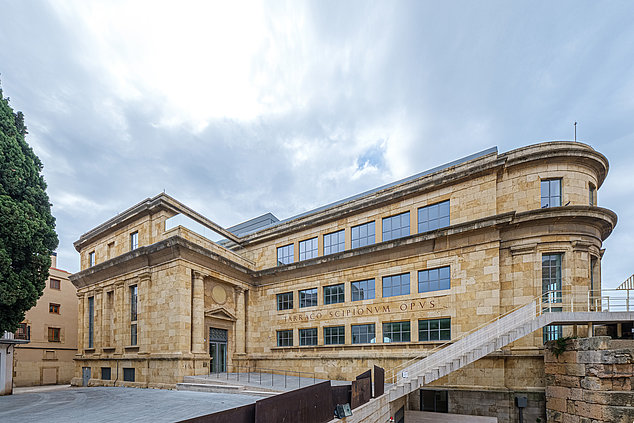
(340, 394)
(244, 414)
(312, 404)
(361, 392)
(379, 381)
(365, 374)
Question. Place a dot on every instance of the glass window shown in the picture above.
(308, 249)
(396, 332)
(91, 259)
(285, 301)
(334, 242)
(334, 335)
(53, 335)
(396, 285)
(91, 322)
(434, 330)
(133, 334)
(55, 283)
(285, 254)
(362, 235)
(23, 331)
(285, 338)
(433, 217)
(551, 278)
(334, 294)
(53, 308)
(128, 374)
(592, 195)
(434, 279)
(362, 334)
(134, 240)
(362, 290)
(308, 297)
(106, 373)
(133, 314)
(396, 226)
(308, 336)
(552, 332)
(551, 193)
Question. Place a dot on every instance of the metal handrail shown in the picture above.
(260, 371)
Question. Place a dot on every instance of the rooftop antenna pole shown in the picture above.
(575, 131)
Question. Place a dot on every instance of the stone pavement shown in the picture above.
(110, 404)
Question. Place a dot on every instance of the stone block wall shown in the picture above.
(590, 382)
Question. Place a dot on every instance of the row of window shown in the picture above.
(430, 218)
(134, 244)
(551, 193)
(24, 332)
(128, 374)
(428, 280)
(428, 330)
(133, 317)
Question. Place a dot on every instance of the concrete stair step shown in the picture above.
(224, 389)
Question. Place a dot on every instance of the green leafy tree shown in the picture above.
(27, 228)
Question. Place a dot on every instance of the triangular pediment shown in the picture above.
(220, 313)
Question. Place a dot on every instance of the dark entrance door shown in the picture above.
(85, 376)
(435, 401)
(218, 350)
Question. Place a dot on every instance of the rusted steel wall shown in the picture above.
(312, 404)
(244, 414)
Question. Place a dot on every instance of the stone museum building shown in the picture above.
(375, 279)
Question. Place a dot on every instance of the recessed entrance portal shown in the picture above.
(218, 350)
(435, 401)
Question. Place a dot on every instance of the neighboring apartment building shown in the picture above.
(378, 278)
(51, 328)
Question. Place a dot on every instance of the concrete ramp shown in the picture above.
(428, 417)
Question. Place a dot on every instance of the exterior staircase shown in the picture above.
(505, 329)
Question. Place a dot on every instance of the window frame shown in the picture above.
(288, 254)
(334, 338)
(360, 289)
(91, 322)
(336, 297)
(364, 336)
(308, 334)
(304, 252)
(592, 194)
(284, 303)
(549, 196)
(439, 286)
(389, 334)
(54, 334)
(284, 335)
(548, 283)
(134, 314)
(362, 241)
(129, 374)
(91, 259)
(403, 219)
(434, 223)
(439, 331)
(53, 308)
(53, 281)
(134, 240)
(331, 247)
(109, 373)
(302, 301)
(391, 287)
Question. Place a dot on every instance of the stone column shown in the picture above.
(143, 313)
(241, 320)
(81, 330)
(198, 313)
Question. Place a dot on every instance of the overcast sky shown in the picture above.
(237, 109)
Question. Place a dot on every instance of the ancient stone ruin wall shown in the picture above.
(590, 380)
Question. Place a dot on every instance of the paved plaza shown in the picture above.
(107, 404)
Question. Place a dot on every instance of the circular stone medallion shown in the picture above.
(219, 294)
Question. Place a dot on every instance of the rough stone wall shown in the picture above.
(591, 382)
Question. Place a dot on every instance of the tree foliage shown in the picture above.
(27, 228)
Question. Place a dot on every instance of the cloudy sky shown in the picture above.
(237, 109)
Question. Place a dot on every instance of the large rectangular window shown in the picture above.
(128, 374)
(434, 330)
(334, 335)
(551, 193)
(308, 249)
(55, 284)
(23, 331)
(106, 373)
(308, 297)
(362, 290)
(91, 322)
(133, 314)
(308, 336)
(285, 254)
(396, 226)
(334, 294)
(362, 235)
(552, 332)
(334, 242)
(396, 285)
(396, 332)
(434, 279)
(551, 278)
(285, 338)
(53, 335)
(363, 334)
(433, 217)
(134, 240)
(285, 301)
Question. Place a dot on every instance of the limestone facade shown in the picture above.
(51, 328)
(273, 299)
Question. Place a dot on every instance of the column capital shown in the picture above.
(145, 276)
(238, 289)
(198, 275)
